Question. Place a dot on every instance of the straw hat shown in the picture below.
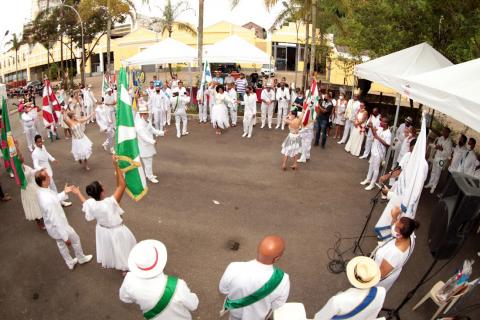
(363, 272)
(142, 107)
(147, 259)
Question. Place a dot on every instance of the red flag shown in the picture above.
(50, 104)
(310, 104)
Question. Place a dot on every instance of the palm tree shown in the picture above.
(167, 21)
(16, 44)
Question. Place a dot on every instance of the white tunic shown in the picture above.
(28, 119)
(233, 97)
(378, 149)
(155, 101)
(53, 215)
(41, 159)
(88, 97)
(468, 163)
(147, 292)
(267, 96)
(145, 132)
(102, 115)
(283, 96)
(446, 144)
(179, 104)
(352, 109)
(250, 105)
(458, 155)
(244, 278)
(344, 302)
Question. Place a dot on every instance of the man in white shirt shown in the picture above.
(166, 108)
(156, 106)
(458, 153)
(159, 296)
(232, 105)
(283, 97)
(242, 279)
(28, 119)
(372, 122)
(268, 98)
(89, 101)
(150, 90)
(146, 142)
(352, 107)
(56, 222)
(469, 160)
(202, 104)
(179, 103)
(362, 302)
(110, 102)
(400, 135)
(443, 147)
(382, 138)
(249, 116)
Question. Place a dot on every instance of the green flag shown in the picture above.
(126, 146)
(9, 149)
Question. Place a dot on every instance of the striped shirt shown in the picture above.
(241, 84)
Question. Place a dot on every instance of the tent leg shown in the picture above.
(191, 82)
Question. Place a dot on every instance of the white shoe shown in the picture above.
(365, 182)
(302, 160)
(73, 264)
(362, 157)
(153, 180)
(179, 135)
(185, 133)
(105, 147)
(263, 126)
(370, 186)
(283, 128)
(269, 127)
(432, 190)
(11, 175)
(86, 259)
(244, 135)
(276, 128)
(66, 203)
(249, 136)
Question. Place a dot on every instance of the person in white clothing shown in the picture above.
(202, 105)
(339, 116)
(242, 279)
(146, 285)
(179, 103)
(469, 161)
(400, 135)
(106, 124)
(150, 90)
(250, 114)
(28, 120)
(219, 115)
(362, 302)
(90, 102)
(458, 153)
(156, 106)
(146, 142)
(113, 239)
(382, 138)
(210, 96)
(232, 105)
(372, 122)
(267, 97)
(110, 102)
(283, 98)
(166, 109)
(350, 113)
(56, 222)
(443, 153)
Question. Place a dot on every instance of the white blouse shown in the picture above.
(107, 212)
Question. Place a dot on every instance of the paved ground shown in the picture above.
(308, 207)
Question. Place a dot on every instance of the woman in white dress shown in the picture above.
(81, 145)
(292, 145)
(219, 115)
(339, 113)
(113, 239)
(393, 254)
(354, 144)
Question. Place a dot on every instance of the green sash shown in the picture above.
(164, 300)
(258, 295)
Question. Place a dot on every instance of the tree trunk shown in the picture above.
(62, 72)
(16, 65)
(314, 33)
(200, 33)
(297, 48)
(109, 34)
(48, 47)
(305, 55)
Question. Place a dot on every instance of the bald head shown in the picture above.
(270, 249)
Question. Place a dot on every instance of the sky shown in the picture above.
(12, 17)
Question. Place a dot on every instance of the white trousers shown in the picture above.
(89, 110)
(181, 116)
(248, 121)
(233, 113)
(267, 109)
(148, 166)
(158, 120)
(110, 141)
(307, 137)
(346, 131)
(436, 172)
(202, 112)
(282, 113)
(30, 135)
(76, 245)
(368, 143)
(374, 168)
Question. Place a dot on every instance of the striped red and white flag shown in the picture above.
(310, 104)
(50, 105)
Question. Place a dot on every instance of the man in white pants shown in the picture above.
(249, 116)
(382, 138)
(372, 122)
(28, 119)
(350, 112)
(443, 153)
(156, 105)
(469, 162)
(268, 98)
(166, 107)
(146, 142)
(202, 105)
(283, 98)
(232, 106)
(307, 137)
(179, 103)
(56, 222)
(89, 101)
(400, 135)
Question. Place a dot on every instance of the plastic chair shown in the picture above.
(290, 311)
(444, 305)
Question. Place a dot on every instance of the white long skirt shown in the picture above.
(219, 116)
(81, 148)
(113, 246)
(30, 202)
(354, 144)
(292, 145)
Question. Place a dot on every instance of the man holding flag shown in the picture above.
(50, 109)
(308, 121)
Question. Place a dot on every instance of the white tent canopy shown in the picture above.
(454, 91)
(235, 49)
(392, 70)
(166, 51)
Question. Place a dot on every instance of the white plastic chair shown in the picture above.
(444, 305)
(290, 311)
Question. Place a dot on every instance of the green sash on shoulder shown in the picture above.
(258, 295)
(168, 293)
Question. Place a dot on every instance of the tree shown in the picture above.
(16, 44)
(168, 20)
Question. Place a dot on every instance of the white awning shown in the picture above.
(235, 50)
(166, 51)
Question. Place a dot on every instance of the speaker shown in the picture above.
(454, 216)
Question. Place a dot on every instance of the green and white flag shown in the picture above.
(126, 143)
